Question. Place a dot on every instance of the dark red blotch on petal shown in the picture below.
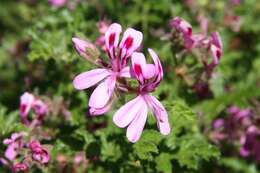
(189, 31)
(218, 53)
(22, 108)
(138, 69)
(159, 68)
(112, 39)
(128, 42)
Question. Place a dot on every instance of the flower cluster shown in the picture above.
(29, 102)
(239, 127)
(212, 44)
(111, 76)
(19, 149)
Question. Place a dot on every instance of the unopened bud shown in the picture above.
(86, 49)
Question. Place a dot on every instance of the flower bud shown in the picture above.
(181, 25)
(86, 49)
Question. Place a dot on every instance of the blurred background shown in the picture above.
(208, 133)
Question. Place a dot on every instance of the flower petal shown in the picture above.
(102, 94)
(134, 130)
(89, 78)
(139, 66)
(128, 112)
(112, 37)
(99, 111)
(26, 103)
(181, 25)
(216, 40)
(160, 114)
(7, 141)
(216, 54)
(126, 72)
(131, 41)
(40, 107)
(11, 152)
(157, 63)
(149, 71)
(158, 69)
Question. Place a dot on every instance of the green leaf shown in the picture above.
(144, 150)
(238, 165)
(193, 149)
(147, 145)
(10, 122)
(189, 146)
(163, 163)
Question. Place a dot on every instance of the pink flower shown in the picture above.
(251, 143)
(39, 154)
(215, 48)
(181, 25)
(13, 145)
(185, 28)
(57, 3)
(40, 108)
(218, 123)
(107, 73)
(234, 125)
(26, 103)
(239, 114)
(20, 167)
(191, 40)
(134, 113)
(212, 44)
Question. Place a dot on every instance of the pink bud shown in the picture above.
(86, 49)
(181, 25)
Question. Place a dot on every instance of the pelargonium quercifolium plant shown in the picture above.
(134, 113)
(56, 132)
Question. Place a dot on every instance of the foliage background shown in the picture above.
(36, 55)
